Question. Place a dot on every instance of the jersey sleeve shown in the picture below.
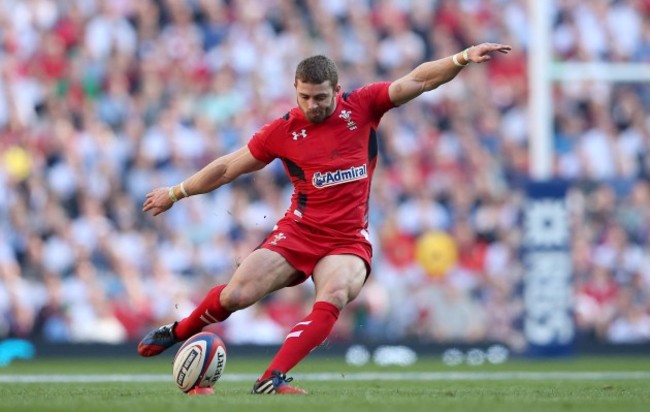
(260, 144)
(375, 96)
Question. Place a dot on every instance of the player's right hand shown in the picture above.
(157, 201)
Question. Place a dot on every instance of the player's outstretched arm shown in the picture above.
(430, 75)
(219, 172)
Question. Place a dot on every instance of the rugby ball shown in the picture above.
(199, 362)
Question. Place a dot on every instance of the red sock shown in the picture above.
(304, 337)
(209, 311)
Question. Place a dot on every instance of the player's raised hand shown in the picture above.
(158, 201)
(481, 52)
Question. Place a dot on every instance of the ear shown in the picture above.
(337, 89)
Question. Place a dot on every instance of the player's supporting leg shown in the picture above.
(338, 280)
(304, 337)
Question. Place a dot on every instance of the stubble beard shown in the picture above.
(321, 116)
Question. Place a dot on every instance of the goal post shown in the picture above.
(543, 72)
(604, 72)
(540, 113)
(548, 285)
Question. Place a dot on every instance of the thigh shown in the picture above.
(299, 246)
(339, 278)
(260, 273)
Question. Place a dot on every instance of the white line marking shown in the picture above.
(353, 376)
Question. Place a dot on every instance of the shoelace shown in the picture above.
(283, 377)
(164, 331)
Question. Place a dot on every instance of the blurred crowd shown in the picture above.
(101, 101)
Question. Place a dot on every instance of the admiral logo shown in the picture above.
(321, 180)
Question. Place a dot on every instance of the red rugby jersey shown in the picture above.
(330, 163)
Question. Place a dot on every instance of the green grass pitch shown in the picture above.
(142, 385)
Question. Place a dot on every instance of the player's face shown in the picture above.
(317, 101)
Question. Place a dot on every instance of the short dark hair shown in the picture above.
(316, 70)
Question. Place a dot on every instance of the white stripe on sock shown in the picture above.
(295, 334)
(209, 315)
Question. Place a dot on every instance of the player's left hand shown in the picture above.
(481, 52)
(158, 201)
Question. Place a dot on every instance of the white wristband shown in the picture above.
(466, 55)
(172, 195)
(183, 191)
(454, 58)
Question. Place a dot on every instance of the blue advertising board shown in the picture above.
(548, 323)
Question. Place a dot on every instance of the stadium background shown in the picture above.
(101, 101)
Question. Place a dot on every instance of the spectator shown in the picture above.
(101, 100)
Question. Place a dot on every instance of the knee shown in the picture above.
(338, 293)
(235, 298)
(338, 298)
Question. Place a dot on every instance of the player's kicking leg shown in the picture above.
(158, 340)
(247, 286)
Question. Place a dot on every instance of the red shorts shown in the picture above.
(303, 246)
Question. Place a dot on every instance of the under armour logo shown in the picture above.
(347, 116)
(302, 133)
(277, 238)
